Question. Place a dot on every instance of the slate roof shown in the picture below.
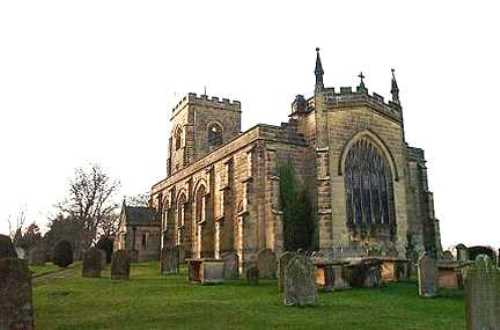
(140, 216)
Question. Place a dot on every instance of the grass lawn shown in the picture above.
(47, 268)
(150, 301)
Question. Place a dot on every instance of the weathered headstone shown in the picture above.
(447, 256)
(283, 262)
(427, 276)
(266, 263)
(230, 265)
(462, 253)
(482, 295)
(37, 256)
(21, 252)
(169, 260)
(252, 275)
(300, 287)
(92, 263)
(103, 258)
(120, 265)
(133, 255)
(212, 271)
(365, 273)
(6, 247)
(16, 304)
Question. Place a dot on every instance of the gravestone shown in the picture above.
(169, 260)
(37, 256)
(133, 255)
(266, 263)
(120, 265)
(482, 295)
(252, 275)
(462, 253)
(365, 273)
(283, 262)
(21, 253)
(212, 271)
(92, 263)
(16, 302)
(448, 256)
(103, 258)
(300, 287)
(427, 276)
(230, 265)
(6, 247)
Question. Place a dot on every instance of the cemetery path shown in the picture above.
(59, 274)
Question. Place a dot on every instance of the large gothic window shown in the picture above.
(214, 135)
(368, 183)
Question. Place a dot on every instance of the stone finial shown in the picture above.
(318, 72)
(394, 88)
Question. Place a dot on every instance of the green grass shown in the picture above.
(47, 268)
(150, 301)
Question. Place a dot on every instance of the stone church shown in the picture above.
(221, 192)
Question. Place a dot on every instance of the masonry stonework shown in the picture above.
(221, 191)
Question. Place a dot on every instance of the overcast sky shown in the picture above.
(95, 81)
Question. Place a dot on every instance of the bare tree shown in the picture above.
(90, 201)
(16, 225)
(138, 200)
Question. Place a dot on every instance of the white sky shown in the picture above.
(94, 81)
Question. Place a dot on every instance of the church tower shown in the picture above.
(200, 125)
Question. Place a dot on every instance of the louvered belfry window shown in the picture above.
(368, 184)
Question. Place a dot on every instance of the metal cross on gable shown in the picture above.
(361, 76)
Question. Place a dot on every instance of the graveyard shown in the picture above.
(153, 301)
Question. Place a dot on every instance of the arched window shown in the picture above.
(214, 135)
(201, 204)
(178, 138)
(368, 184)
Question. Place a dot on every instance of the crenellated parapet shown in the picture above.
(347, 97)
(208, 102)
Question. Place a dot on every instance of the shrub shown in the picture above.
(63, 254)
(7, 248)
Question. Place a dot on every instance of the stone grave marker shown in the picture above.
(103, 258)
(252, 275)
(6, 247)
(169, 260)
(482, 295)
(427, 276)
(37, 256)
(230, 265)
(266, 263)
(92, 263)
(300, 287)
(283, 262)
(16, 302)
(120, 265)
(462, 253)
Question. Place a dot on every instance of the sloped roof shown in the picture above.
(140, 216)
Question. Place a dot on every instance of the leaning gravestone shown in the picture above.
(6, 247)
(427, 276)
(252, 275)
(169, 262)
(120, 265)
(283, 262)
(37, 256)
(266, 263)
(462, 253)
(92, 263)
(447, 256)
(482, 295)
(103, 258)
(16, 304)
(300, 287)
(230, 265)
